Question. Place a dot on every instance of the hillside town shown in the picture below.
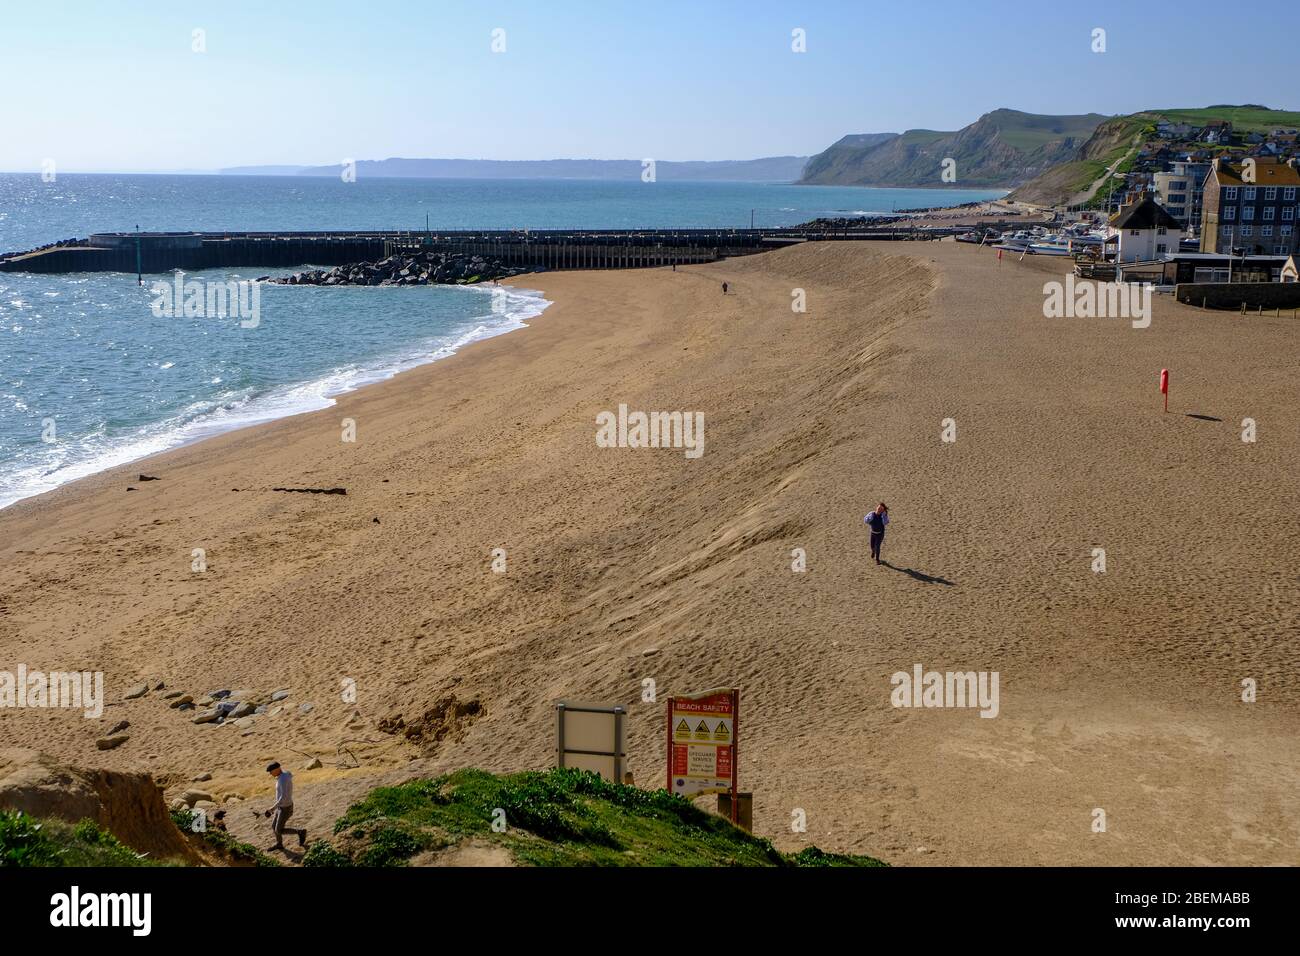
(1190, 204)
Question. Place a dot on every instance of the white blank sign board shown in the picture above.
(590, 737)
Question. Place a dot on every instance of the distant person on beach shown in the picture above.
(876, 521)
(724, 288)
(283, 808)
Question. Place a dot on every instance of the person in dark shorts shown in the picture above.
(876, 521)
(283, 807)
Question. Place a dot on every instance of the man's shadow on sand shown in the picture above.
(293, 855)
(919, 575)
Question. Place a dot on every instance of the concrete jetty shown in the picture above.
(156, 252)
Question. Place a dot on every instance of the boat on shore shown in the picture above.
(1063, 242)
(980, 237)
(1019, 241)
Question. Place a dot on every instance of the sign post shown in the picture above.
(591, 737)
(702, 744)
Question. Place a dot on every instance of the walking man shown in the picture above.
(876, 521)
(724, 288)
(283, 808)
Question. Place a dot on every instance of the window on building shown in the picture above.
(1288, 213)
(1160, 230)
(1248, 193)
(1229, 213)
(1269, 212)
(1284, 230)
(1134, 232)
(1247, 230)
(1248, 212)
(1270, 193)
(1266, 232)
(1160, 247)
(1279, 250)
(1288, 194)
(1230, 192)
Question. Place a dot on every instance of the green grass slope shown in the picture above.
(556, 818)
(220, 845)
(1110, 141)
(28, 841)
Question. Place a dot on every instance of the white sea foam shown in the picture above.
(69, 460)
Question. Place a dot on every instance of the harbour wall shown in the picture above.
(545, 249)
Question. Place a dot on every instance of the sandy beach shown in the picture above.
(1118, 690)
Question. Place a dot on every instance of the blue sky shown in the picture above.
(116, 86)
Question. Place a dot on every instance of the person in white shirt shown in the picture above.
(283, 807)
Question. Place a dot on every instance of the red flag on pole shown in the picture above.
(1164, 386)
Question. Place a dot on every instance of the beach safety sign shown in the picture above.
(702, 742)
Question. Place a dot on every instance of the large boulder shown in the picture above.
(129, 805)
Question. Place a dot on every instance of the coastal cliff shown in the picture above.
(1001, 148)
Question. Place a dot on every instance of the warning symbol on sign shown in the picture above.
(703, 732)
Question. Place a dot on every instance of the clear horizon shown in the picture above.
(139, 90)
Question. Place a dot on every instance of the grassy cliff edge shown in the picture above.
(553, 818)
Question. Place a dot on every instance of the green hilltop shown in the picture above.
(1049, 158)
(1248, 118)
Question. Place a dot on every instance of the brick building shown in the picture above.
(1251, 206)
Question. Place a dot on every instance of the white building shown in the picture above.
(1181, 191)
(1142, 232)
